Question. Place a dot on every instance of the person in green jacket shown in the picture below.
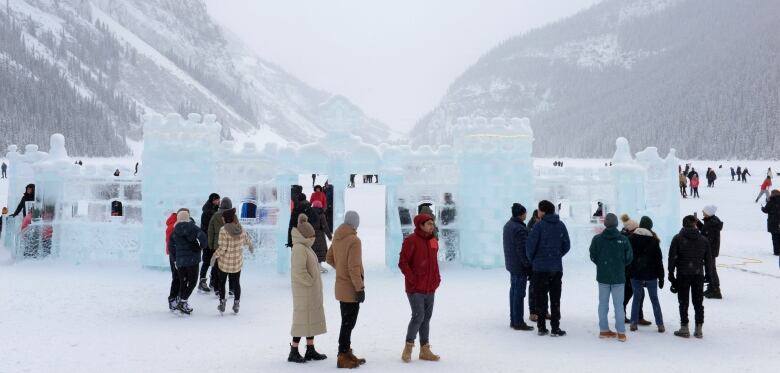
(611, 252)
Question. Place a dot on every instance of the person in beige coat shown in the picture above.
(229, 257)
(308, 312)
(345, 255)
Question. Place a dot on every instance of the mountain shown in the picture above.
(91, 68)
(700, 76)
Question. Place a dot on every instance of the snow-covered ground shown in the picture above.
(58, 317)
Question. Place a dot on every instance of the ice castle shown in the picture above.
(85, 214)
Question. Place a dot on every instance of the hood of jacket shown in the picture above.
(297, 238)
(233, 229)
(714, 221)
(552, 218)
(344, 231)
(187, 229)
(171, 220)
(643, 232)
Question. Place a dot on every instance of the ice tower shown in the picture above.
(496, 170)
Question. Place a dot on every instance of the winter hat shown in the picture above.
(421, 219)
(229, 216)
(646, 223)
(624, 218)
(710, 210)
(518, 209)
(316, 204)
(352, 219)
(631, 225)
(306, 230)
(546, 207)
(183, 216)
(611, 220)
(225, 204)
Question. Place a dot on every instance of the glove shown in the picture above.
(661, 283)
(360, 296)
(213, 260)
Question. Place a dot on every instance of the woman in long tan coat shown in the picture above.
(308, 312)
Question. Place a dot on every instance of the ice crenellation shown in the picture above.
(93, 215)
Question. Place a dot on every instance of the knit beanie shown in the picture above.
(624, 218)
(225, 204)
(611, 221)
(710, 210)
(631, 225)
(229, 216)
(518, 209)
(183, 216)
(352, 219)
(306, 230)
(646, 223)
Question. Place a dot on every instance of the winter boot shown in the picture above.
(661, 328)
(683, 332)
(558, 332)
(542, 332)
(184, 307)
(203, 286)
(633, 327)
(323, 269)
(714, 294)
(621, 337)
(698, 332)
(172, 303)
(523, 327)
(312, 354)
(607, 334)
(295, 356)
(221, 307)
(426, 354)
(644, 322)
(344, 360)
(406, 356)
(359, 361)
(236, 305)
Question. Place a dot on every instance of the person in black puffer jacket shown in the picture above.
(647, 271)
(518, 265)
(772, 209)
(185, 245)
(690, 260)
(209, 209)
(710, 228)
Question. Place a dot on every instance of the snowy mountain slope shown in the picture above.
(131, 57)
(696, 75)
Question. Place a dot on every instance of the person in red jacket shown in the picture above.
(420, 266)
(319, 195)
(765, 189)
(169, 224)
(695, 186)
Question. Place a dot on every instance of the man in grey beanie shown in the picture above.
(611, 252)
(346, 256)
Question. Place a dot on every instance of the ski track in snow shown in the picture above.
(59, 317)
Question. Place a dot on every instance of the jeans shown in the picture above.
(639, 296)
(235, 283)
(616, 290)
(764, 193)
(548, 283)
(691, 287)
(174, 280)
(188, 279)
(422, 310)
(349, 315)
(516, 295)
(628, 294)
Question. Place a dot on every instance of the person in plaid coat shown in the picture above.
(229, 257)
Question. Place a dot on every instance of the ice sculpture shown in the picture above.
(87, 214)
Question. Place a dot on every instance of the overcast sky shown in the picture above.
(393, 58)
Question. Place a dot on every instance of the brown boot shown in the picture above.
(344, 360)
(359, 361)
(426, 354)
(607, 334)
(621, 337)
(406, 356)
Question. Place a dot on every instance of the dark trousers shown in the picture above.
(174, 280)
(235, 284)
(422, 310)
(204, 267)
(548, 283)
(531, 297)
(628, 293)
(683, 191)
(188, 279)
(349, 315)
(516, 296)
(691, 287)
(696, 192)
(776, 243)
(4, 174)
(714, 278)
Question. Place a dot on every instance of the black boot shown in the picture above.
(557, 332)
(714, 294)
(312, 354)
(523, 327)
(295, 356)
